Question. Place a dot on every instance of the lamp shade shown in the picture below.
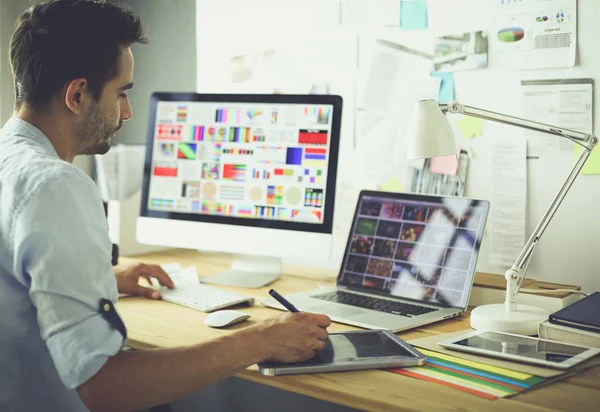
(429, 133)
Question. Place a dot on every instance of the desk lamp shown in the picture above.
(430, 135)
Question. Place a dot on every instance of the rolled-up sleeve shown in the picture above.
(63, 253)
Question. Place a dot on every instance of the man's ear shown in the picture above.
(77, 90)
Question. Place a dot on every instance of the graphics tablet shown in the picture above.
(353, 350)
(519, 348)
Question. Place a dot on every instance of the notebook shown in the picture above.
(583, 314)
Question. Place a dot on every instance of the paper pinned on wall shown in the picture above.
(478, 15)
(592, 165)
(470, 126)
(509, 199)
(119, 172)
(461, 51)
(379, 87)
(360, 14)
(565, 103)
(446, 165)
(531, 35)
(391, 185)
(413, 14)
(446, 93)
(397, 78)
(241, 68)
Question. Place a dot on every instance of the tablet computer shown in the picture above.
(520, 348)
(352, 350)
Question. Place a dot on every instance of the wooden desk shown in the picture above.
(153, 324)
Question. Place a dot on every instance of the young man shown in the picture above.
(61, 336)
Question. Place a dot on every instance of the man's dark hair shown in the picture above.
(61, 40)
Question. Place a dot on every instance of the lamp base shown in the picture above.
(522, 321)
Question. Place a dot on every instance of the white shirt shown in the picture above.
(55, 267)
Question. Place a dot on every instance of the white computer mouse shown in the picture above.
(222, 318)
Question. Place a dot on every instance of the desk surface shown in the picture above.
(151, 324)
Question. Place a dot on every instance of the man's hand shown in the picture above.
(295, 337)
(128, 277)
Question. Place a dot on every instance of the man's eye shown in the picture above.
(123, 95)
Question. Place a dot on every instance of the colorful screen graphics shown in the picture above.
(245, 160)
(421, 250)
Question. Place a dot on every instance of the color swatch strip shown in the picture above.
(479, 379)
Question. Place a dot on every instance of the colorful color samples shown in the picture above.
(212, 207)
(315, 157)
(318, 137)
(283, 172)
(275, 195)
(264, 174)
(210, 171)
(229, 192)
(235, 172)
(187, 151)
(264, 211)
(170, 131)
(165, 170)
(182, 113)
(239, 134)
(228, 116)
(313, 197)
(195, 133)
(318, 115)
(162, 203)
(252, 113)
(294, 156)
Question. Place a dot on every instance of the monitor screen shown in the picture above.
(257, 160)
(415, 246)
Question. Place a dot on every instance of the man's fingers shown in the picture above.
(320, 345)
(322, 334)
(148, 279)
(322, 320)
(163, 278)
(148, 292)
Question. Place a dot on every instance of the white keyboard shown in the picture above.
(203, 298)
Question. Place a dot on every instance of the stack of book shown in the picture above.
(488, 288)
(578, 323)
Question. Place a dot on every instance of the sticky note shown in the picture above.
(470, 126)
(447, 165)
(413, 14)
(446, 93)
(392, 185)
(592, 165)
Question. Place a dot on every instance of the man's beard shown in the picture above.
(96, 132)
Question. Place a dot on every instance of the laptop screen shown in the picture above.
(415, 246)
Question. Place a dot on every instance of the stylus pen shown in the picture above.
(283, 301)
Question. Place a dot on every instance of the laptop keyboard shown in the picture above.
(381, 305)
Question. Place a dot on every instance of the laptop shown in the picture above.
(410, 260)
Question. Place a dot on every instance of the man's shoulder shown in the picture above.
(24, 157)
(25, 168)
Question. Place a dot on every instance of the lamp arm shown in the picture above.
(583, 139)
(587, 141)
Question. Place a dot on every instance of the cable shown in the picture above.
(552, 291)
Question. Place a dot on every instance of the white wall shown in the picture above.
(567, 252)
(166, 63)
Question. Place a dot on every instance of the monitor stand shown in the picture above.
(248, 271)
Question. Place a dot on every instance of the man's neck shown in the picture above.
(57, 131)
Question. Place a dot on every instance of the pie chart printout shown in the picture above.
(511, 35)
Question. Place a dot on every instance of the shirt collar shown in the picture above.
(21, 127)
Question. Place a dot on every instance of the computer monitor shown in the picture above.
(247, 174)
